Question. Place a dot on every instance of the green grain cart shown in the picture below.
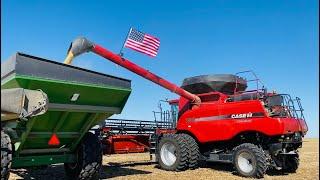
(47, 109)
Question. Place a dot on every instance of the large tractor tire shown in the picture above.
(172, 153)
(6, 155)
(193, 153)
(89, 160)
(250, 160)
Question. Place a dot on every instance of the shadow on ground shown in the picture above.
(56, 172)
(120, 170)
(111, 170)
(228, 167)
(219, 166)
(274, 172)
(53, 172)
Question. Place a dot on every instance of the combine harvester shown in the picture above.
(218, 120)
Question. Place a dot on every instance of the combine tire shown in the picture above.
(89, 159)
(193, 153)
(173, 152)
(291, 164)
(6, 156)
(249, 160)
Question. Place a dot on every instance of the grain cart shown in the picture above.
(219, 120)
(47, 109)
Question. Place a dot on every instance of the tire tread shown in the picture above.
(183, 149)
(194, 152)
(6, 155)
(260, 157)
(90, 155)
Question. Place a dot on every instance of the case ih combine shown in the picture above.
(218, 120)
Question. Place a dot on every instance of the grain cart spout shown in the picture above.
(81, 45)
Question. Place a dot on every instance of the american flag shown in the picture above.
(142, 42)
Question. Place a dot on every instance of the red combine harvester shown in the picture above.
(218, 120)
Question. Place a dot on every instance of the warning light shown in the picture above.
(54, 140)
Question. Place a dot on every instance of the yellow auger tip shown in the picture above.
(69, 58)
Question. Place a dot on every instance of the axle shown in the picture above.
(81, 45)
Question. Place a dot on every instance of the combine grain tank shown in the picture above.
(224, 83)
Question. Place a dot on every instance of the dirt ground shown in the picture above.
(138, 166)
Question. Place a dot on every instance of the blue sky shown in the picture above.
(277, 39)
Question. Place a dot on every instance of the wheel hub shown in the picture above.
(168, 154)
(245, 162)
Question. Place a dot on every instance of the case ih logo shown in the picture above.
(238, 116)
(227, 117)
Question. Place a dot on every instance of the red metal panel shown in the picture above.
(165, 131)
(118, 144)
(211, 128)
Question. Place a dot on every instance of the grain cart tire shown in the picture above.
(249, 160)
(173, 152)
(291, 164)
(6, 155)
(194, 153)
(89, 159)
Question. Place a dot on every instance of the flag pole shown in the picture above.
(121, 53)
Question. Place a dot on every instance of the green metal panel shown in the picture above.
(42, 160)
(69, 120)
(60, 91)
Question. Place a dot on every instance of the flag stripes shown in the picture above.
(143, 43)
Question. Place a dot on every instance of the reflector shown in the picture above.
(54, 140)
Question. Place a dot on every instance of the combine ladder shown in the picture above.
(153, 146)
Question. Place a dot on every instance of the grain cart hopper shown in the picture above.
(254, 130)
(48, 107)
